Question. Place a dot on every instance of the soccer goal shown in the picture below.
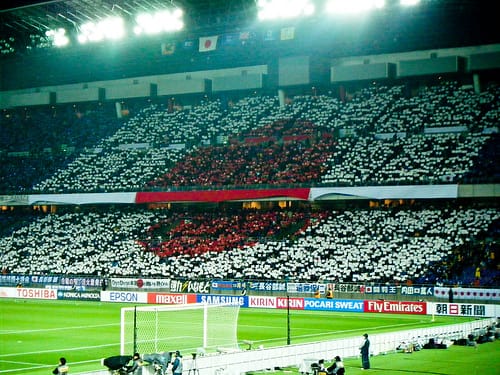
(162, 328)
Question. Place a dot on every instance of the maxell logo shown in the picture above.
(169, 299)
(394, 307)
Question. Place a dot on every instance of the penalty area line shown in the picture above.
(34, 366)
(11, 332)
(58, 350)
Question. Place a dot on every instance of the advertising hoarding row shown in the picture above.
(240, 287)
(263, 302)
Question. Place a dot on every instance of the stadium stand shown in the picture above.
(40, 141)
(390, 245)
(271, 145)
(422, 129)
(153, 146)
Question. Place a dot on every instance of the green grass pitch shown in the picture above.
(35, 333)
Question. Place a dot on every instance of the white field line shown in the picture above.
(35, 366)
(16, 332)
(58, 350)
(39, 366)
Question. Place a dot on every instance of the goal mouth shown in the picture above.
(192, 328)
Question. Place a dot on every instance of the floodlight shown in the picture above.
(409, 2)
(178, 13)
(57, 37)
(89, 32)
(163, 20)
(353, 6)
(284, 9)
(112, 28)
(109, 28)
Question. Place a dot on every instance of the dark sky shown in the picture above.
(8, 4)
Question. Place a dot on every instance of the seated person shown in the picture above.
(490, 334)
(321, 367)
(62, 368)
(337, 367)
(406, 347)
(471, 341)
(159, 361)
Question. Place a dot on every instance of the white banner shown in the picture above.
(83, 198)
(138, 283)
(388, 192)
(468, 293)
(128, 297)
(463, 309)
(30, 293)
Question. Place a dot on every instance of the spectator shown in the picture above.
(329, 293)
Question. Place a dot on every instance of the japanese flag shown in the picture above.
(208, 43)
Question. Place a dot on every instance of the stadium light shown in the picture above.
(57, 37)
(7, 46)
(284, 9)
(111, 28)
(161, 21)
(409, 2)
(353, 6)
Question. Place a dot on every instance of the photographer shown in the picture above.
(136, 367)
(62, 368)
(177, 364)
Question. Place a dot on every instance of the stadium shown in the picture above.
(254, 183)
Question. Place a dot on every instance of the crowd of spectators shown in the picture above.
(365, 245)
(39, 142)
(262, 163)
(377, 135)
(420, 159)
(199, 233)
(445, 133)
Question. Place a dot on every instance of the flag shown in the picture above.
(230, 39)
(246, 37)
(208, 43)
(287, 33)
(269, 35)
(167, 48)
(188, 44)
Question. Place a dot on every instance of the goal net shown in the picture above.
(157, 329)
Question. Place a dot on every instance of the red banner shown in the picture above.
(170, 299)
(295, 303)
(220, 195)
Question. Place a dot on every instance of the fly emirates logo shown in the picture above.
(393, 307)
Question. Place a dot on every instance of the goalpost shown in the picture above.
(166, 328)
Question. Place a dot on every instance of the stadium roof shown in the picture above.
(23, 17)
(23, 23)
(20, 18)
